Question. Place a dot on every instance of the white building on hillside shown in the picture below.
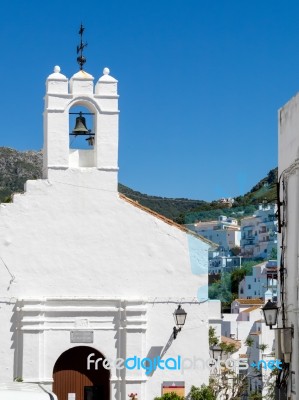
(262, 279)
(215, 317)
(219, 263)
(225, 232)
(259, 233)
(239, 305)
(249, 323)
(88, 274)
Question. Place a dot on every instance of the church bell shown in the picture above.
(80, 127)
(82, 130)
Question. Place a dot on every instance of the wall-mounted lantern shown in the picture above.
(216, 352)
(180, 318)
(270, 311)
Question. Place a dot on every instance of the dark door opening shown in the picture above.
(71, 375)
(94, 392)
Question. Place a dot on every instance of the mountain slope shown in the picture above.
(16, 167)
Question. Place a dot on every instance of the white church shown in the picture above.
(92, 283)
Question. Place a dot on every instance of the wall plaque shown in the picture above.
(81, 336)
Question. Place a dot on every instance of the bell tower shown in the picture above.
(98, 163)
(101, 100)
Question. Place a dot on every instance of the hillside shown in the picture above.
(263, 191)
(16, 167)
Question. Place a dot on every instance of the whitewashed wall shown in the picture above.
(72, 244)
(288, 140)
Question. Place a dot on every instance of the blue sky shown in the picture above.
(200, 83)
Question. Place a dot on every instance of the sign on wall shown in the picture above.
(81, 336)
(177, 387)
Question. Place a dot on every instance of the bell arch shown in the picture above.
(81, 127)
(70, 375)
(82, 134)
(102, 100)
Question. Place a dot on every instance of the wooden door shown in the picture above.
(71, 375)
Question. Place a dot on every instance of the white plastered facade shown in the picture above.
(75, 255)
(288, 171)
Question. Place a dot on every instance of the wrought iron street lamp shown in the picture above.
(216, 351)
(180, 318)
(270, 311)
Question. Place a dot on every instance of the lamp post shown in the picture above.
(216, 351)
(179, 318)
(270, 311)
(215, 354)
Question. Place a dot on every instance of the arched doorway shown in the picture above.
(71, 375)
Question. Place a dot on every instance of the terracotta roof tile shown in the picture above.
(250, 301)
(227, 340)
(251, 309)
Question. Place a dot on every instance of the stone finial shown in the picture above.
(106, 77)
(56, 75)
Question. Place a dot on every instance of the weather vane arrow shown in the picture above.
(81, 59)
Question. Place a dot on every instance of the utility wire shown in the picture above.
(7, 269)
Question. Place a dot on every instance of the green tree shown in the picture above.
(170, 396)
(249, 341)
(236, 277)
(212, 336)
(255, 396)
(228, 348)
(202, 393)
(273, 254)
(235, 250)
(213, 340)
(272, 176)
(180, 219)
(221, 289)
(263, 347)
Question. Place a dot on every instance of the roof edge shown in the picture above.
(166, 220)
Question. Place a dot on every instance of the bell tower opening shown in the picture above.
(65, 133)
(81, 137)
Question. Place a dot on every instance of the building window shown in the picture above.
(249, 286)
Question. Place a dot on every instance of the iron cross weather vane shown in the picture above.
(81, 59)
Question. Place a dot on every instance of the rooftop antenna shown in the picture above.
(81, 59)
